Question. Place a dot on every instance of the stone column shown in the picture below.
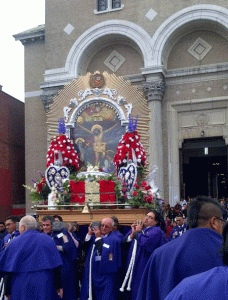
(154, 89)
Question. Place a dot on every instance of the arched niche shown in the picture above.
(214, 17)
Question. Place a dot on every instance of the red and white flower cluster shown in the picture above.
(61, 143)
(131, 140)
(40, 185)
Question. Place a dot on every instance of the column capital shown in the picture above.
(48, 95)
(154, 90)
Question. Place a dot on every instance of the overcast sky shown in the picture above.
(16, 16)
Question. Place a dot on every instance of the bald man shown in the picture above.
(32, 265)
(102, 263)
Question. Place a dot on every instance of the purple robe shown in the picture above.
(196, 251)
(207, 285)
(31, 259)
(104, 270)
(68, 256)
(8, 238)
(177, 231)
(118, 234)
(150, 239)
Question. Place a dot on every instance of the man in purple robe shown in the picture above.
(102, 263)
(11, 226)
(32, 265)
(211, 284)
(179, 229)
(68, 253)
(3, 230)
(196, 251)
(144, 238)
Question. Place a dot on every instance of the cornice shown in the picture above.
(32, 35)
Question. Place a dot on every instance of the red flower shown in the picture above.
(148, 199)
(147, 187)
(125, 196)
(124, 189)
(144, 184)
(40, 186)
(124, 183)
(136, 186)
(134, 193)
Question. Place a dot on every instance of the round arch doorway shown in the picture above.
(204, 168)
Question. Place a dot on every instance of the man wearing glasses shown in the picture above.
(144, 237)
(102, 263)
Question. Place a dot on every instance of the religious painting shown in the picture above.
(96, 134)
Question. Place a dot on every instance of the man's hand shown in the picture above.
(6, 244)
(90, 231)
(97, 232)
(139, 225)
(60, 293)
(8, 297)
(133, 230)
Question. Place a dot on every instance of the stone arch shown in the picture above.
(94, 36)
(180, 21)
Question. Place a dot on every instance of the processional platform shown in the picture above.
(125, 216)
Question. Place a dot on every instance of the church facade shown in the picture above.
(172, 53)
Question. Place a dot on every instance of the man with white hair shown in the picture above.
(32, 265)
(102, 263)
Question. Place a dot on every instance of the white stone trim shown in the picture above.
(68, 29)
(33, 94)
(197, 74)
(193, 47)
(215, 13)
(152, 48)
(173, 156)
(73, 66)
(113, 54)
(151, 14)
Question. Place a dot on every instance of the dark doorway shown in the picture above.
(204, 168)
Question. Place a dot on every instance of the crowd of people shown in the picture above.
(164, 256)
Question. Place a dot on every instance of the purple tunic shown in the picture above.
(207, 285)
(196, 251)
(104, 270)
(31, 259)
(68, 257)
(150, 239)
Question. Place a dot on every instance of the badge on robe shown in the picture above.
(110, 258)
(65, 239)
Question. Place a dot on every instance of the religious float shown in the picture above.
(96, 165)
